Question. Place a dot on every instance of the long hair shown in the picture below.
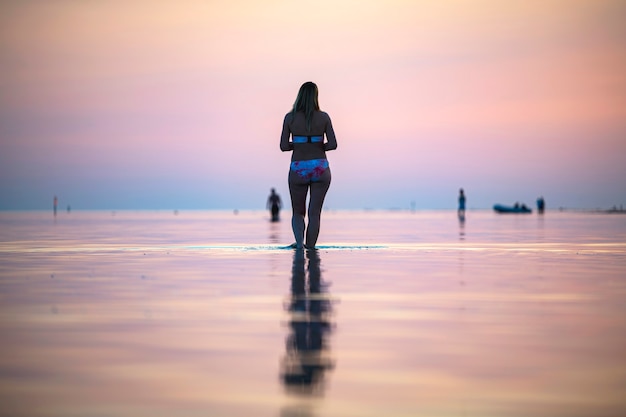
(306, 102)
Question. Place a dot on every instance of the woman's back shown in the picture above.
(298, 126)
(313, 147)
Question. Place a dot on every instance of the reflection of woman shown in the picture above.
(307, 356)
(306, 124)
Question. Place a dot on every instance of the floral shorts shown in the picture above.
(310, 170)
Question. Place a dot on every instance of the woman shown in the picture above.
(306, 125)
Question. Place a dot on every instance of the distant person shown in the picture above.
(55, 203)
(461, 210)
(541, 204)
(306, 125)
(274, 204)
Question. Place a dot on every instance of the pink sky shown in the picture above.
(175, 105)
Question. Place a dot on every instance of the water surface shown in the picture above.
(396, 313)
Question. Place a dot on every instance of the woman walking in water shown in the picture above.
(306, 125)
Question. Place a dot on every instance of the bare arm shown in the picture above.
(285, 145)
(331, 143)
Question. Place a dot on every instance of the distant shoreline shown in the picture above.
(613, 210)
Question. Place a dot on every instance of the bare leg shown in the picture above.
(318, 193)
(298, 189)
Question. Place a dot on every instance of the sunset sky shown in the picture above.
(179, 104)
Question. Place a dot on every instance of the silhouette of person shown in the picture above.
(307, 353)
(541, 204)
(55, 202)
(274, 204)
(461, 210)
(307, 125)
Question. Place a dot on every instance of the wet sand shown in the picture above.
(403, 314)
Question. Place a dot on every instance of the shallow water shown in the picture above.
(396, 313)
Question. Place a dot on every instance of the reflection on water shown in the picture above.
(461, 216)
(275, 229)
(155, 314)
(307, 356)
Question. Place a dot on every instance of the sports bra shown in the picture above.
(307, 139)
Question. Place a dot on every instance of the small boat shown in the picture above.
(512, 209)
